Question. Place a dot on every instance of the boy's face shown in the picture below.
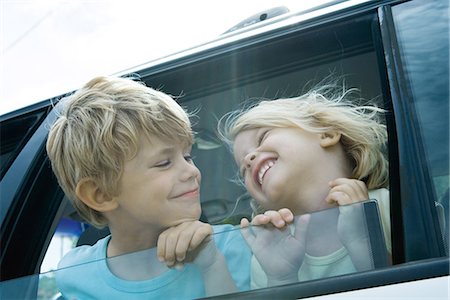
(285, 167)
(160, 186)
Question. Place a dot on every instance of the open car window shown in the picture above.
(345, 49)
(394, 52)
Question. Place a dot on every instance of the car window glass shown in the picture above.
(65, 237)
(254, 256)
(426, 39)
(63, 240)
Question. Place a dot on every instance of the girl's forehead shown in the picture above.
(246, 135)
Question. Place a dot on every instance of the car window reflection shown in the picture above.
(308, 248)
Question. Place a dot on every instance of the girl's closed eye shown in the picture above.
(163, 163)
(262, 136)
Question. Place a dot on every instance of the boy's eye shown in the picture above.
(163, 163)
(188, 157)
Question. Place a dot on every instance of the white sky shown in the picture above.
(52, 47)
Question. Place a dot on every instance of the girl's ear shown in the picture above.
(92, 195)
(329, 138)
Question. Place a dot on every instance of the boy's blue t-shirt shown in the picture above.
(83, 273)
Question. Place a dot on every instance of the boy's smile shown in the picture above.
(160, 186)
(190, 194)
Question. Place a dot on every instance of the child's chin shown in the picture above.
(195, 213)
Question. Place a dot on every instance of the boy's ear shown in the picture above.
(329, 138)
(92, 195)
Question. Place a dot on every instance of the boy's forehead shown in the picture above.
(162, 141)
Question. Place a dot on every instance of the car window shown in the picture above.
(424, 50)
(65, 237)
(338, 49)
(250, 267)
(285, 65)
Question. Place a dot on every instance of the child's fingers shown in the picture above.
(346, 191)
(170, 254)
(340, 198)
(161, 246)
(354, 187)
(275, 218)
(301, 227)
(172, 243)
(248, 235)
(189, 237)
(286, 214)
(182, 244)
(346, 186)
(202, 234)
(244, 223)
(166, 247)
(260, 220)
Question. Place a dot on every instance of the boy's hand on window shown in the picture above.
(279, 251)
(183, 243)
(347, 191)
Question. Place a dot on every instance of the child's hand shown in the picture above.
(351, 227)
(353, 234)
(279, 251)
(192, 242)
(343, 192)
(183, 243)
(347, 191)
(279, 218)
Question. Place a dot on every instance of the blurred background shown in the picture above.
(52, 47)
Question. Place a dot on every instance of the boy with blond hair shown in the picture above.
(121, 153)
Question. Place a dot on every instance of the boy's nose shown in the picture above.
(249, 159)
(190, 171)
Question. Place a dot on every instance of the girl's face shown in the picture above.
(287, 167)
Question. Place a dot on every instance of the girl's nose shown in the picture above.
(249, 159)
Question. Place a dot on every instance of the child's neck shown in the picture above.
(132, 256)
(137, 266)
(127, 241)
